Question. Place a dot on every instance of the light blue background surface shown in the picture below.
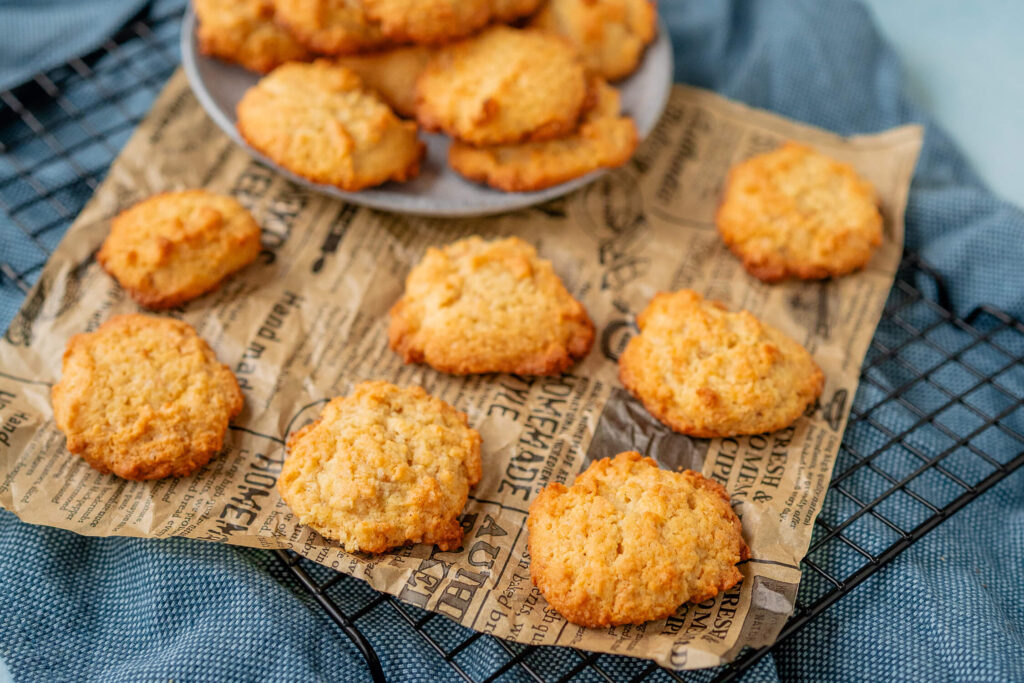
(964, 62)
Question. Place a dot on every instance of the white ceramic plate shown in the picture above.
(438, 190)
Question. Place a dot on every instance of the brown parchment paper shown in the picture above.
(309, 319)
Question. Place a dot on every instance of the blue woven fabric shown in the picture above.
(949, 608)
(36, 35)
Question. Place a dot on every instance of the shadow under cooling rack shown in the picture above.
(938, 418)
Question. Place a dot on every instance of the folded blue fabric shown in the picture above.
(949, 608)
(36, 35)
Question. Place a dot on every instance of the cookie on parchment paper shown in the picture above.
(392, 73)
(603, 139)
(332, 27)
(175, 246)
(476, 307)
(320, 121)
(383, 467)
(144, 397)
(244, 32)
(610, 34)
(629, 542)
(796, 212)
(707, 372)
(503, 86)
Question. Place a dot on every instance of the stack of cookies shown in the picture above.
(351, 82)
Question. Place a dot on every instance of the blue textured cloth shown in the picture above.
(36, 35)
(949, 608)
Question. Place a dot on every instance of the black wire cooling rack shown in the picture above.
(902, 470)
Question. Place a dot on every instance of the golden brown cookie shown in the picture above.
(610, 34)
(244, 32)
(629, 542)
(476, 307)
(144, 397)
(604, 139)
(175, 246)
(433, 22)
(706, 372)
(795, 212)
(321, 122)
(383, 467)
(331, 27)
(428, 21)
(503, 86)
(393, 74)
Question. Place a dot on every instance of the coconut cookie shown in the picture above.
(477, 307)
(244, 32)
(383, 467)
(392, 74)
(629, 542)
(428, 21)
(795, 212)
(333, 27)
(176, 246)
(706, 372)
(604, 139)
(503, 86)
(442, 21)
(610, 34)
(321, 122)
(144, 397)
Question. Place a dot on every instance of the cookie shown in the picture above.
(392, 74)
(604, 139)
(706, 372)
(477, 307)
(383, 467)
(176, 246)
(610, 34)
(331, 27)
(503, 86)
(321, 122)
(629, 542)
(434, 22)
(144, 397)
(428, 21)
(795, 212)
(244, 32)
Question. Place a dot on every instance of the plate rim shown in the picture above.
(516, 200)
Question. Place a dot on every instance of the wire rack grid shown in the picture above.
(936, 422)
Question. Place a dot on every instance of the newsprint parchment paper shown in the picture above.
(309, 319)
